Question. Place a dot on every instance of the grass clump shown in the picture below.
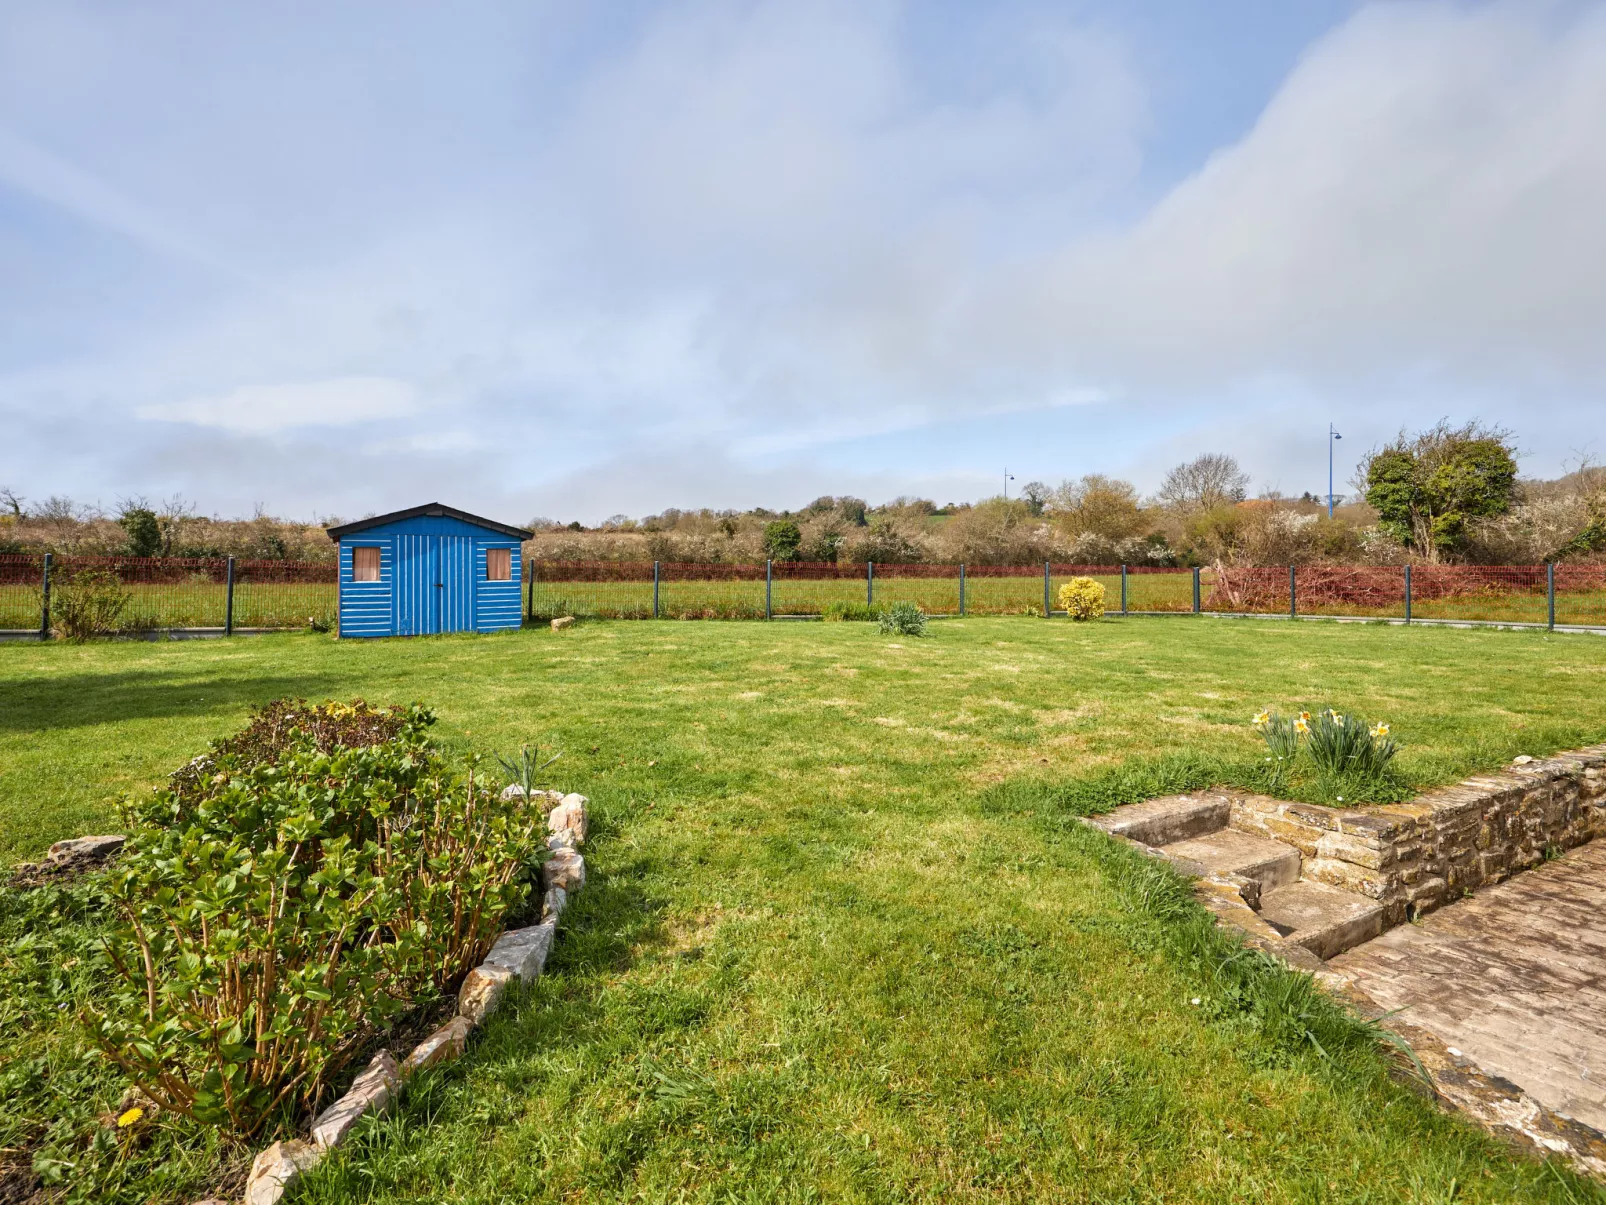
(850, 612)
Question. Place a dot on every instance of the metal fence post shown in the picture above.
(655, 589)
(228, 602)
(1550, 595)
(1196, 589)
(1408, 594)
(1293, 595)
(869, 583)
(529, 587)
(769, 589)
(1123, 589)
(44, 601)
(961, 589)
(1046, 611)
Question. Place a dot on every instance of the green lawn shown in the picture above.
(843, 939)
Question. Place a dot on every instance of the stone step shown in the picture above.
(1325, 920)
(1227, 851)
(1171, 818)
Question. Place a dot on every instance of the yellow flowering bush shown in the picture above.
(1082, 598)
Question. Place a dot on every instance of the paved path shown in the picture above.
(1514, 978)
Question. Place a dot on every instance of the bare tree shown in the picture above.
(13, 502)
(1207, 481)
(175, 512)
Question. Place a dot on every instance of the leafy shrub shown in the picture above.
(850, 612)
(903, 619)
(1082, 598)
(87, 603)
(289, 894)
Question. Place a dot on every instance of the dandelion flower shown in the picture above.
(129, 1118)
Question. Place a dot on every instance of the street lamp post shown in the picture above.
(1332, 437)
(1007, 480)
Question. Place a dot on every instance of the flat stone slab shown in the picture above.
(1166, 820)
(1325, 920)
(1514, 978)
(103, 846)
(1227, 851)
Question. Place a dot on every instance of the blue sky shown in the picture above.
(572, 260)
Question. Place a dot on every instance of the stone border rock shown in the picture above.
(1476, 833)
(69, 858)
(518, 955)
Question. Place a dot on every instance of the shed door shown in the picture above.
(455, 555)
(434, 584)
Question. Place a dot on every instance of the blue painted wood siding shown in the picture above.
(367, 608)
(500, 605)
(432, 578)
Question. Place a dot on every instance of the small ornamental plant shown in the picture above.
(903, 619)
(1346, 751)
(291, 893)
(1346, 746)
(1281, 734)
(1082, 598)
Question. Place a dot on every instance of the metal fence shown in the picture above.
(225, 593)
(168, 593)
(1569, 595)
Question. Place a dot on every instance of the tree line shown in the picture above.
(1445, 494)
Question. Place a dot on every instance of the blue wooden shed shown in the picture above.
(428, 569)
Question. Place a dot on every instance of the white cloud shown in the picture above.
(776, 231)
(270, 409)
(1416, 209)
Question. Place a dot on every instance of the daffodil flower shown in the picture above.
(1262, 718)
(1379, 730)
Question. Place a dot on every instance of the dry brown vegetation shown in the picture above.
(1199, 517)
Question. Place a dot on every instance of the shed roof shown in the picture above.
(432, 509)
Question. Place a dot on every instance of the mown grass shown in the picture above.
(843, 939)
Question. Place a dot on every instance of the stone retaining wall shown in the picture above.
(1413, 857)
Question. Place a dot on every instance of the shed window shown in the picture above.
(498, 564)
(365, 564)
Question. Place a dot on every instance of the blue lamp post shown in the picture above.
(1332, 437)
(1007, 480)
